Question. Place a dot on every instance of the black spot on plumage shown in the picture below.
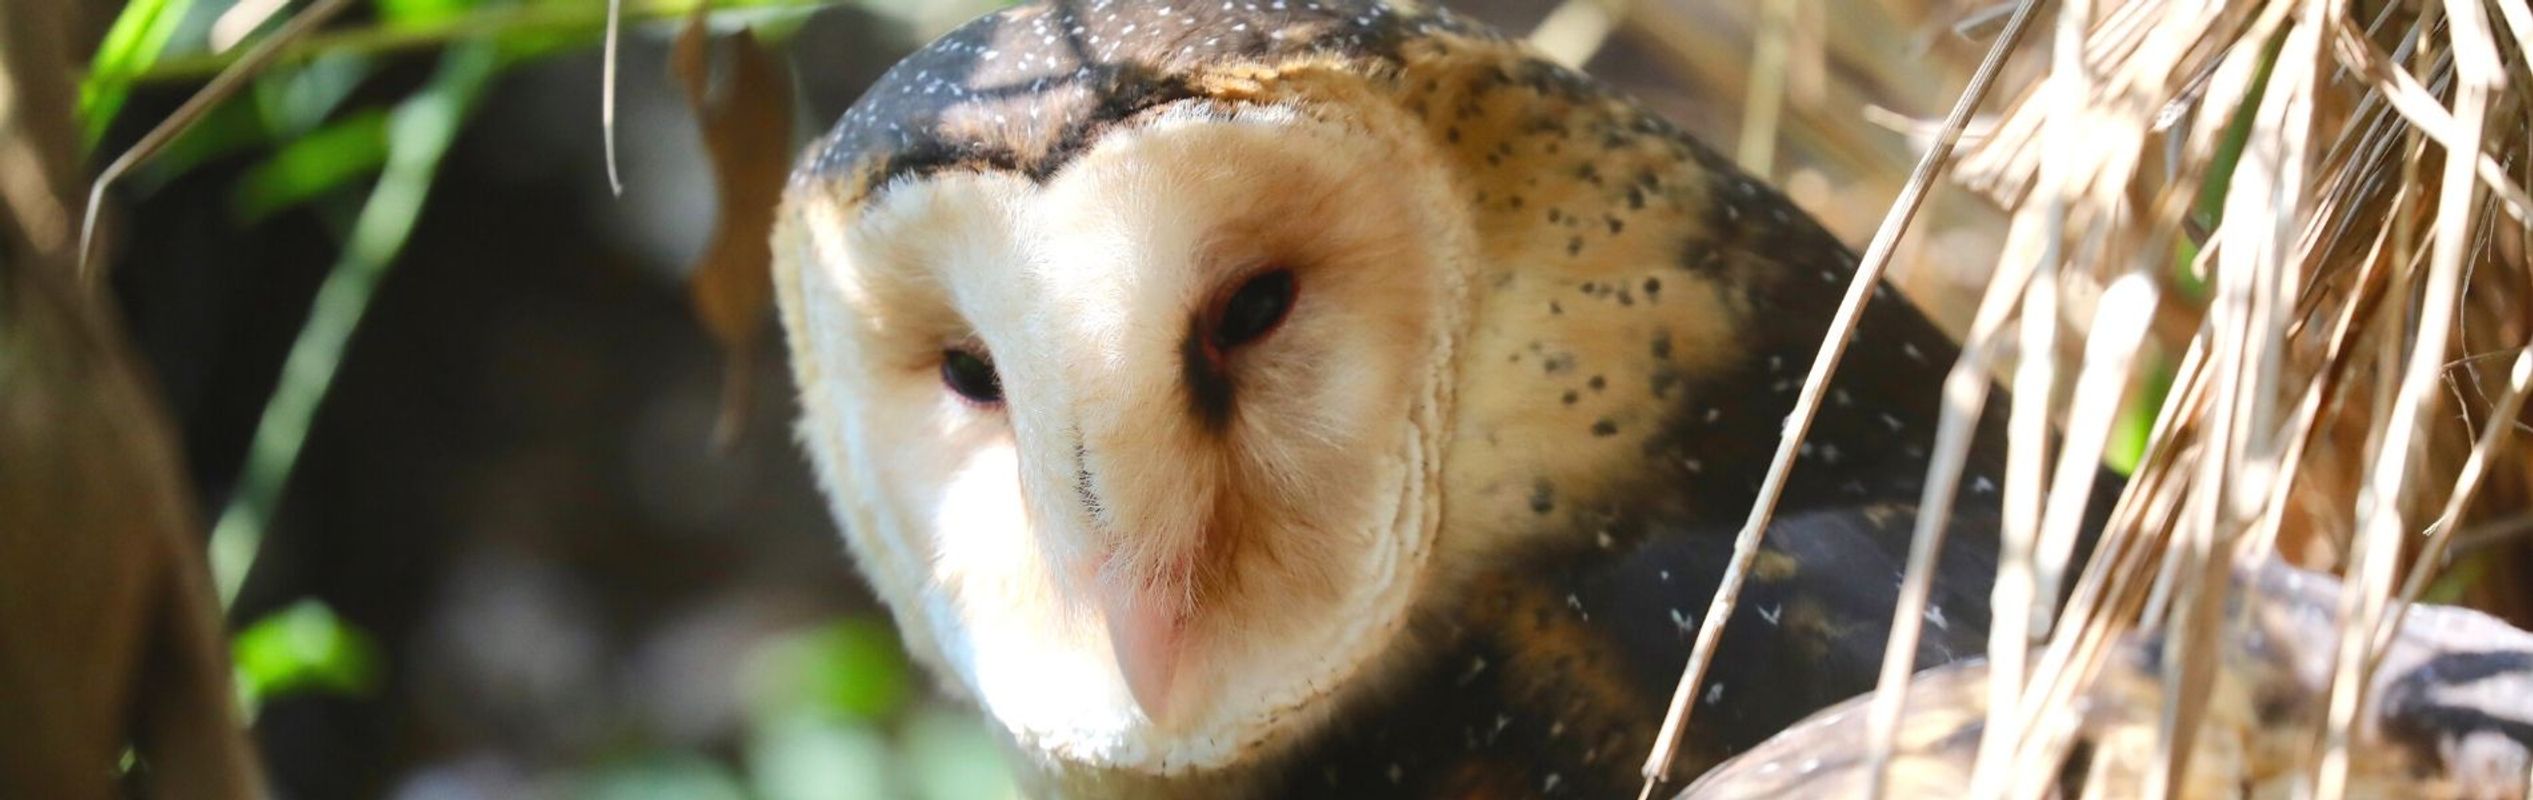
(1615, 225)
(1597, 383)
(1570, 397)
(1703, 256)
(1543, 497)
(1604, 427)
(1574, 246)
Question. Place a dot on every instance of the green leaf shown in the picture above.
(349, 148)
(2208, 209)
(303, 648)
(139, 35)
(423, 13)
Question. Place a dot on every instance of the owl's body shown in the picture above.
(1441, 523)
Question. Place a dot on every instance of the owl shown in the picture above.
(1327, 398)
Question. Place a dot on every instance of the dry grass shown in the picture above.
(2266, 196)
(2359, 280)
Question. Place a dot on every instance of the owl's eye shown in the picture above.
(1255, 310)
(969, 374)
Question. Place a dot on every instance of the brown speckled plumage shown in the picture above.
(1642, 315)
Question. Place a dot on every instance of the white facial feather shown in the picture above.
(1313, 509)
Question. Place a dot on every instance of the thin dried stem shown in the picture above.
(1764, 103)
(607, 93)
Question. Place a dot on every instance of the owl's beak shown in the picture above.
(1144, 629)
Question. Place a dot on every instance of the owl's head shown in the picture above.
(1124, 358)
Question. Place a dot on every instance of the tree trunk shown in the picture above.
(109, 636)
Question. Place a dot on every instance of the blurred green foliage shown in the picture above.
(423, 13)
(663, 775)
(302, 648)
(853, 669)
(418, 131)
(799, 754)
(952, 756)
(307, 167)
(830, 715)
(830, 711)
(132, 45)
(2129, 433)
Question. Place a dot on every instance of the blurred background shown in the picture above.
(446, 397)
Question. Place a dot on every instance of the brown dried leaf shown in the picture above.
(747, 132)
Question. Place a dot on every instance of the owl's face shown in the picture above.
(1143, 451)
